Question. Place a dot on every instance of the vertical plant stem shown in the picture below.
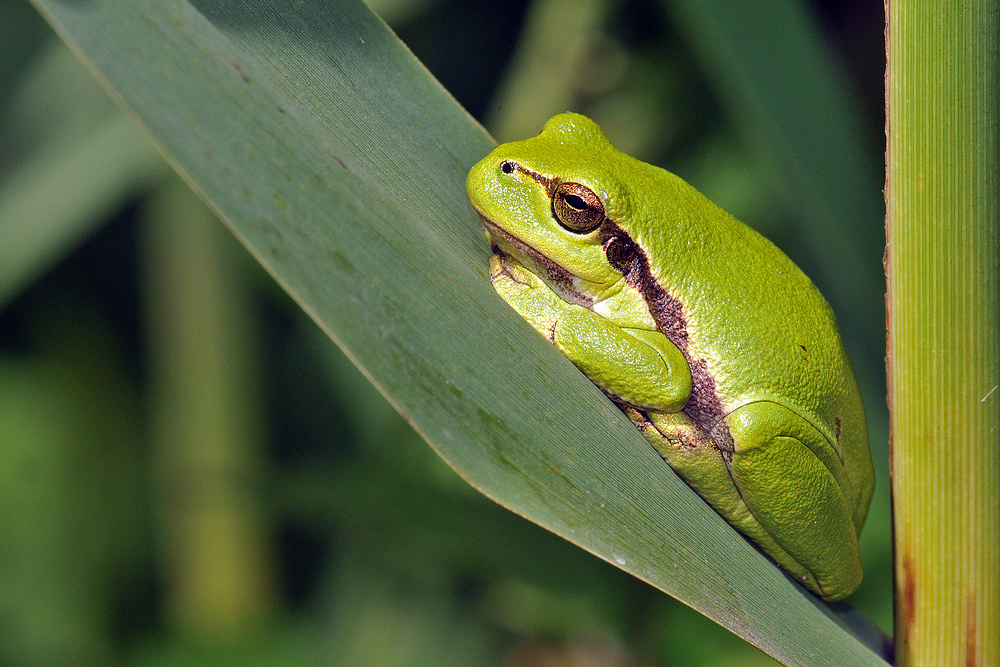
(941, 194)
(206, 411)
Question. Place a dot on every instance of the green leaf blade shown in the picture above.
(340, 163)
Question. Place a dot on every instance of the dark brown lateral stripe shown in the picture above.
(548, 183)
(704, 407)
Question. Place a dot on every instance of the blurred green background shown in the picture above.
(193, 474)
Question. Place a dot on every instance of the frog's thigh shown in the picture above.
(793, 494)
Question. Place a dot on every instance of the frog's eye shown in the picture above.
(577, 208)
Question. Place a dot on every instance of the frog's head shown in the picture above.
(554, 204)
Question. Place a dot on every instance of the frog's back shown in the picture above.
(754, 327)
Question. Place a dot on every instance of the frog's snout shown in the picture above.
(478, 177)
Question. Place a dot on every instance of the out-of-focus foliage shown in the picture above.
(303, 522)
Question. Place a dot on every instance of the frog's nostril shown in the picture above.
(507, 167)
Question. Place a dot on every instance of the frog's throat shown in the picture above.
(562, 281)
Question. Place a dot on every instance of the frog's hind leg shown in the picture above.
(705, 466)
(791, 480)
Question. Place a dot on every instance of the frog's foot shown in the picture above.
(704, 465)
(508, 272)
(758, 469)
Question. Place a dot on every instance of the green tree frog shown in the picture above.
(714, 344)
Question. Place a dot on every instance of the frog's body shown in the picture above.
(719, 349)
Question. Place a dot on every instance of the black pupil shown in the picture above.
(575, 202)
(507, 167)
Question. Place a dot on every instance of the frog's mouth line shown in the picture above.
(562, 281)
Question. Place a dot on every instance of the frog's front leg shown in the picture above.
(633, 366)
(777, 479)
